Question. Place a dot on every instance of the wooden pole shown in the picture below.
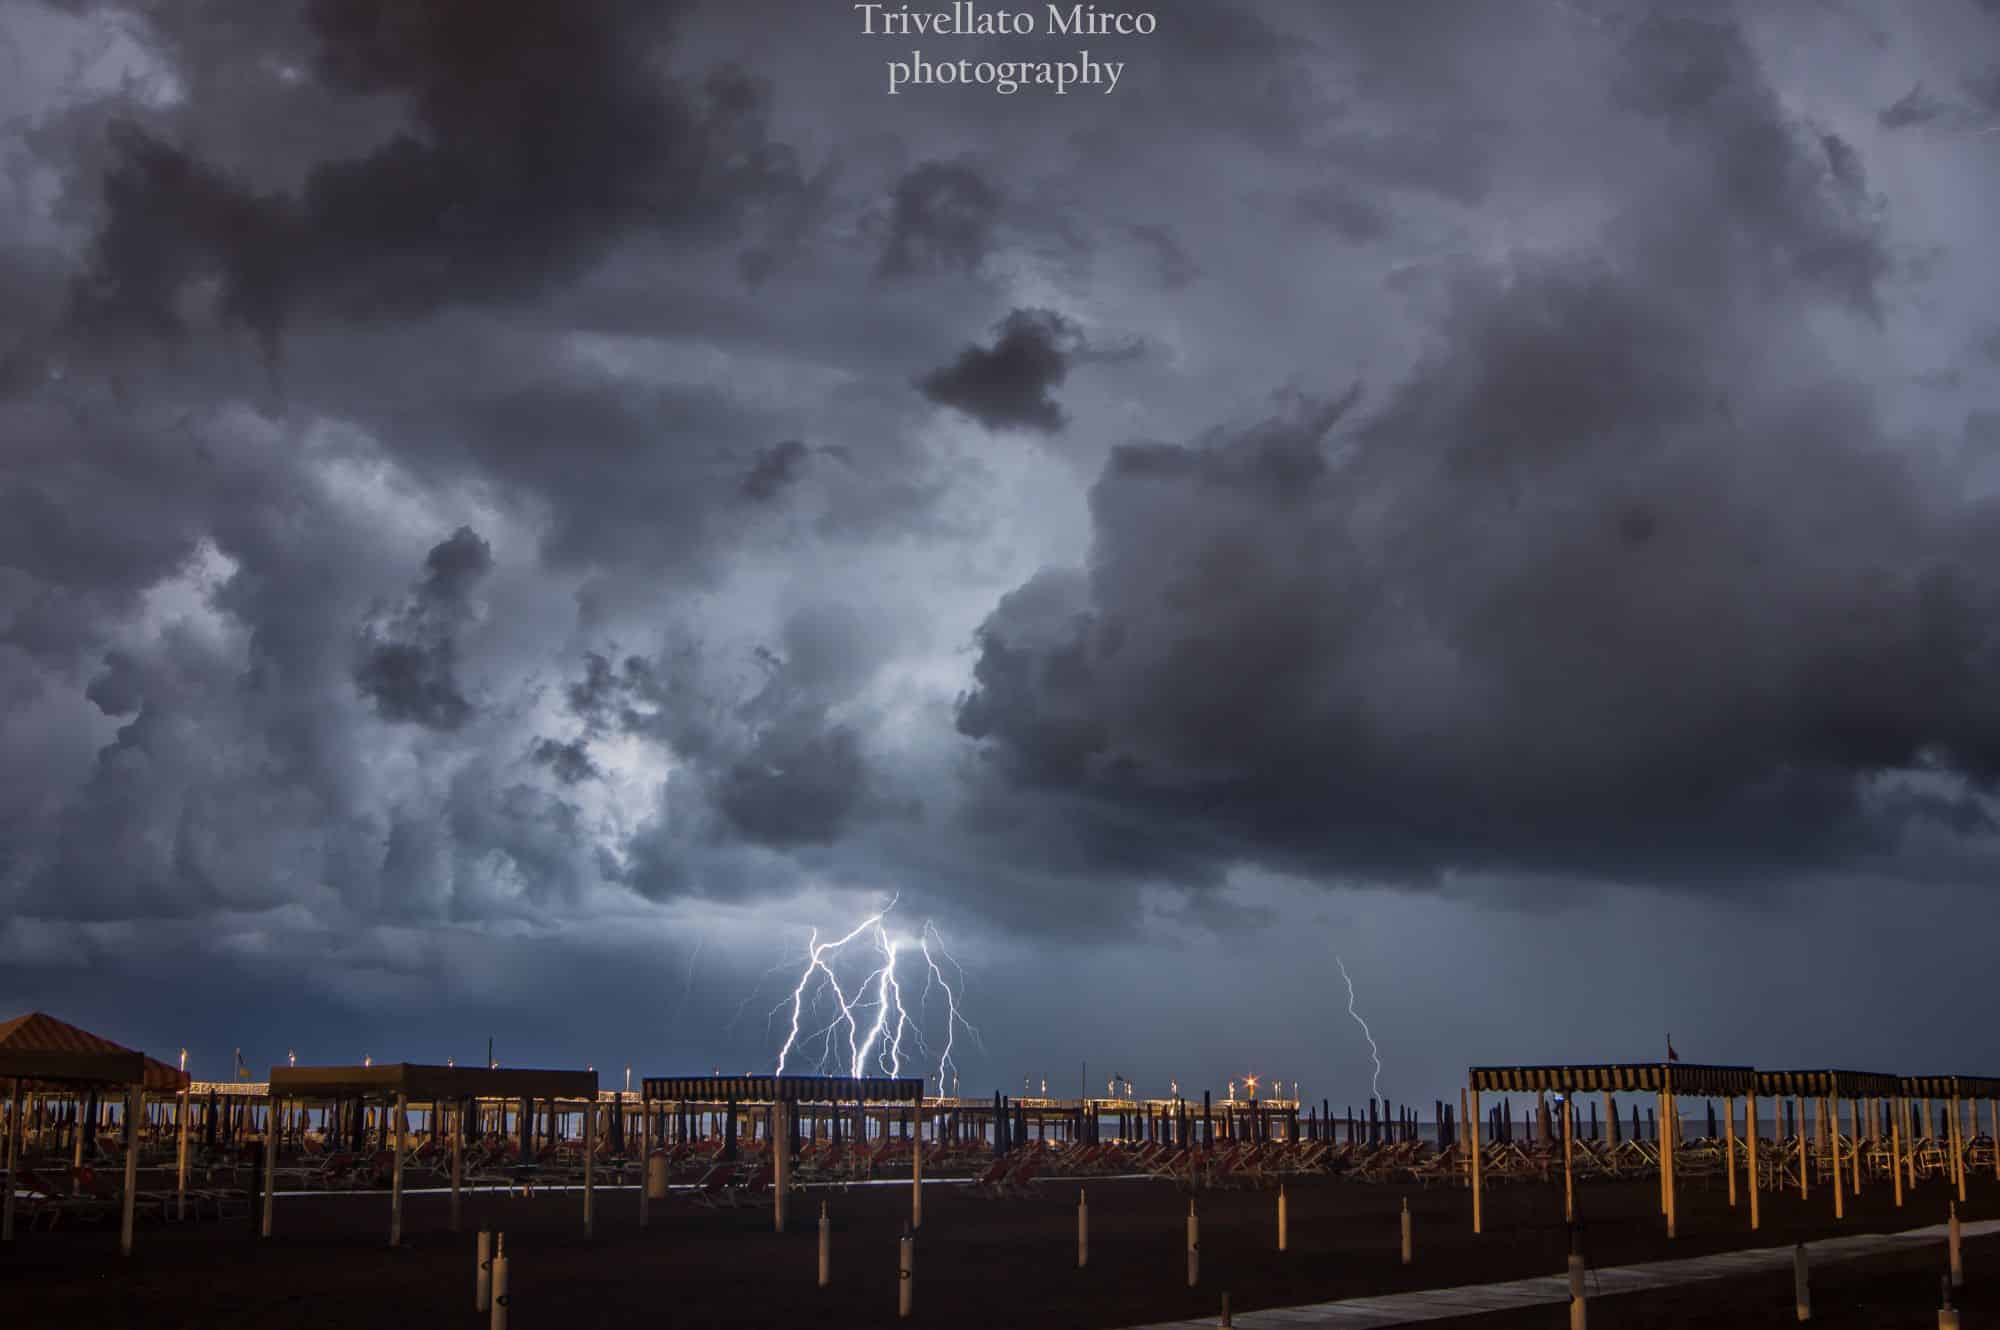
(182, 1112)
(401, 1129)
(13, 1162)
(781, 1164)
(590, 1168)
(1833, 1135)
(1896, 1148)
(1750, 1130)
(270, 1197)
(645, 1157)
(135, 1103)
(1800, 1102)
(1569, 1181)
(917, 1171)
(458, 1163)
(1667, 1133)
(1729, 1150)
(1957, 1143)
(1472, 1124)
(1854, 1144)
(1993, 1119)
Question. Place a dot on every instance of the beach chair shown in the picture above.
(753, 1188)
(988, 1183)
(1020, 1180)
(48, 1206)
(709, 1192)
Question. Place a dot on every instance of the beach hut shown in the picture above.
(780, 1097)
(39, 1052)
(1957, 1091)
(1664, 1079)
(1827, 1088)
(393, 1085)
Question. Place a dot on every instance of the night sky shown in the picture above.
(513, 513)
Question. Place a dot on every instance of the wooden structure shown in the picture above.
(1959, 1092)
(782, 1098)
(1664, 1079)
(395, 1084)
(1828, 1088)
(39, 1052)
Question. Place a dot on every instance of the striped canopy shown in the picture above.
(786, 1089)
(1813, 1084)
(1681, 1077)
(1944, 1087)
(47, 1052)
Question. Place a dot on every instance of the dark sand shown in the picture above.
(980, 1263)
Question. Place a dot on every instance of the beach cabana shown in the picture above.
(395, 1084)
(780, 1096)
(1958, 1090)
(39, 1052)
(1829, 1087)
(1664, 1079)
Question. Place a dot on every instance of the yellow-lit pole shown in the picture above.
(1473, 1125)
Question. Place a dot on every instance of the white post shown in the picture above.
(645, 1157)
(1193, 1246)
(482, 1281)
(13, 1162)
(1408, 1253)
(906, 1275)
(498, 1320)
(401, 1126)
(1282, 1244)
(135, 1099)
(1578, 1314)
(1082, 1229)
(825, 1247)
(590, 1168)
(1801, 1284)
(1957, 1259)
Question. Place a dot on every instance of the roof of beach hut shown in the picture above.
(1691, 1078)
(45, 1051)
(1813, 1084)
(1944, 1087)
(786, 1089)
(386, 1080)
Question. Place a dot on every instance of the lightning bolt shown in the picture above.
(816, 963)
(952, 1018)
(880, 1032)
(1373, 1052)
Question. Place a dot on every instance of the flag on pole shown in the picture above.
(1671, 1055)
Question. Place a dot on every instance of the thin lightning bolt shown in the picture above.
(1373, 1051)
(816, 952)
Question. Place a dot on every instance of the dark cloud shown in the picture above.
(539, 137)
(774, 470)
(408, 664)
(941, 218)
(569, 763)
(1171, 261)
(1533, 616)
(1915, 107)
(1349, 212)
(1007, 385)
